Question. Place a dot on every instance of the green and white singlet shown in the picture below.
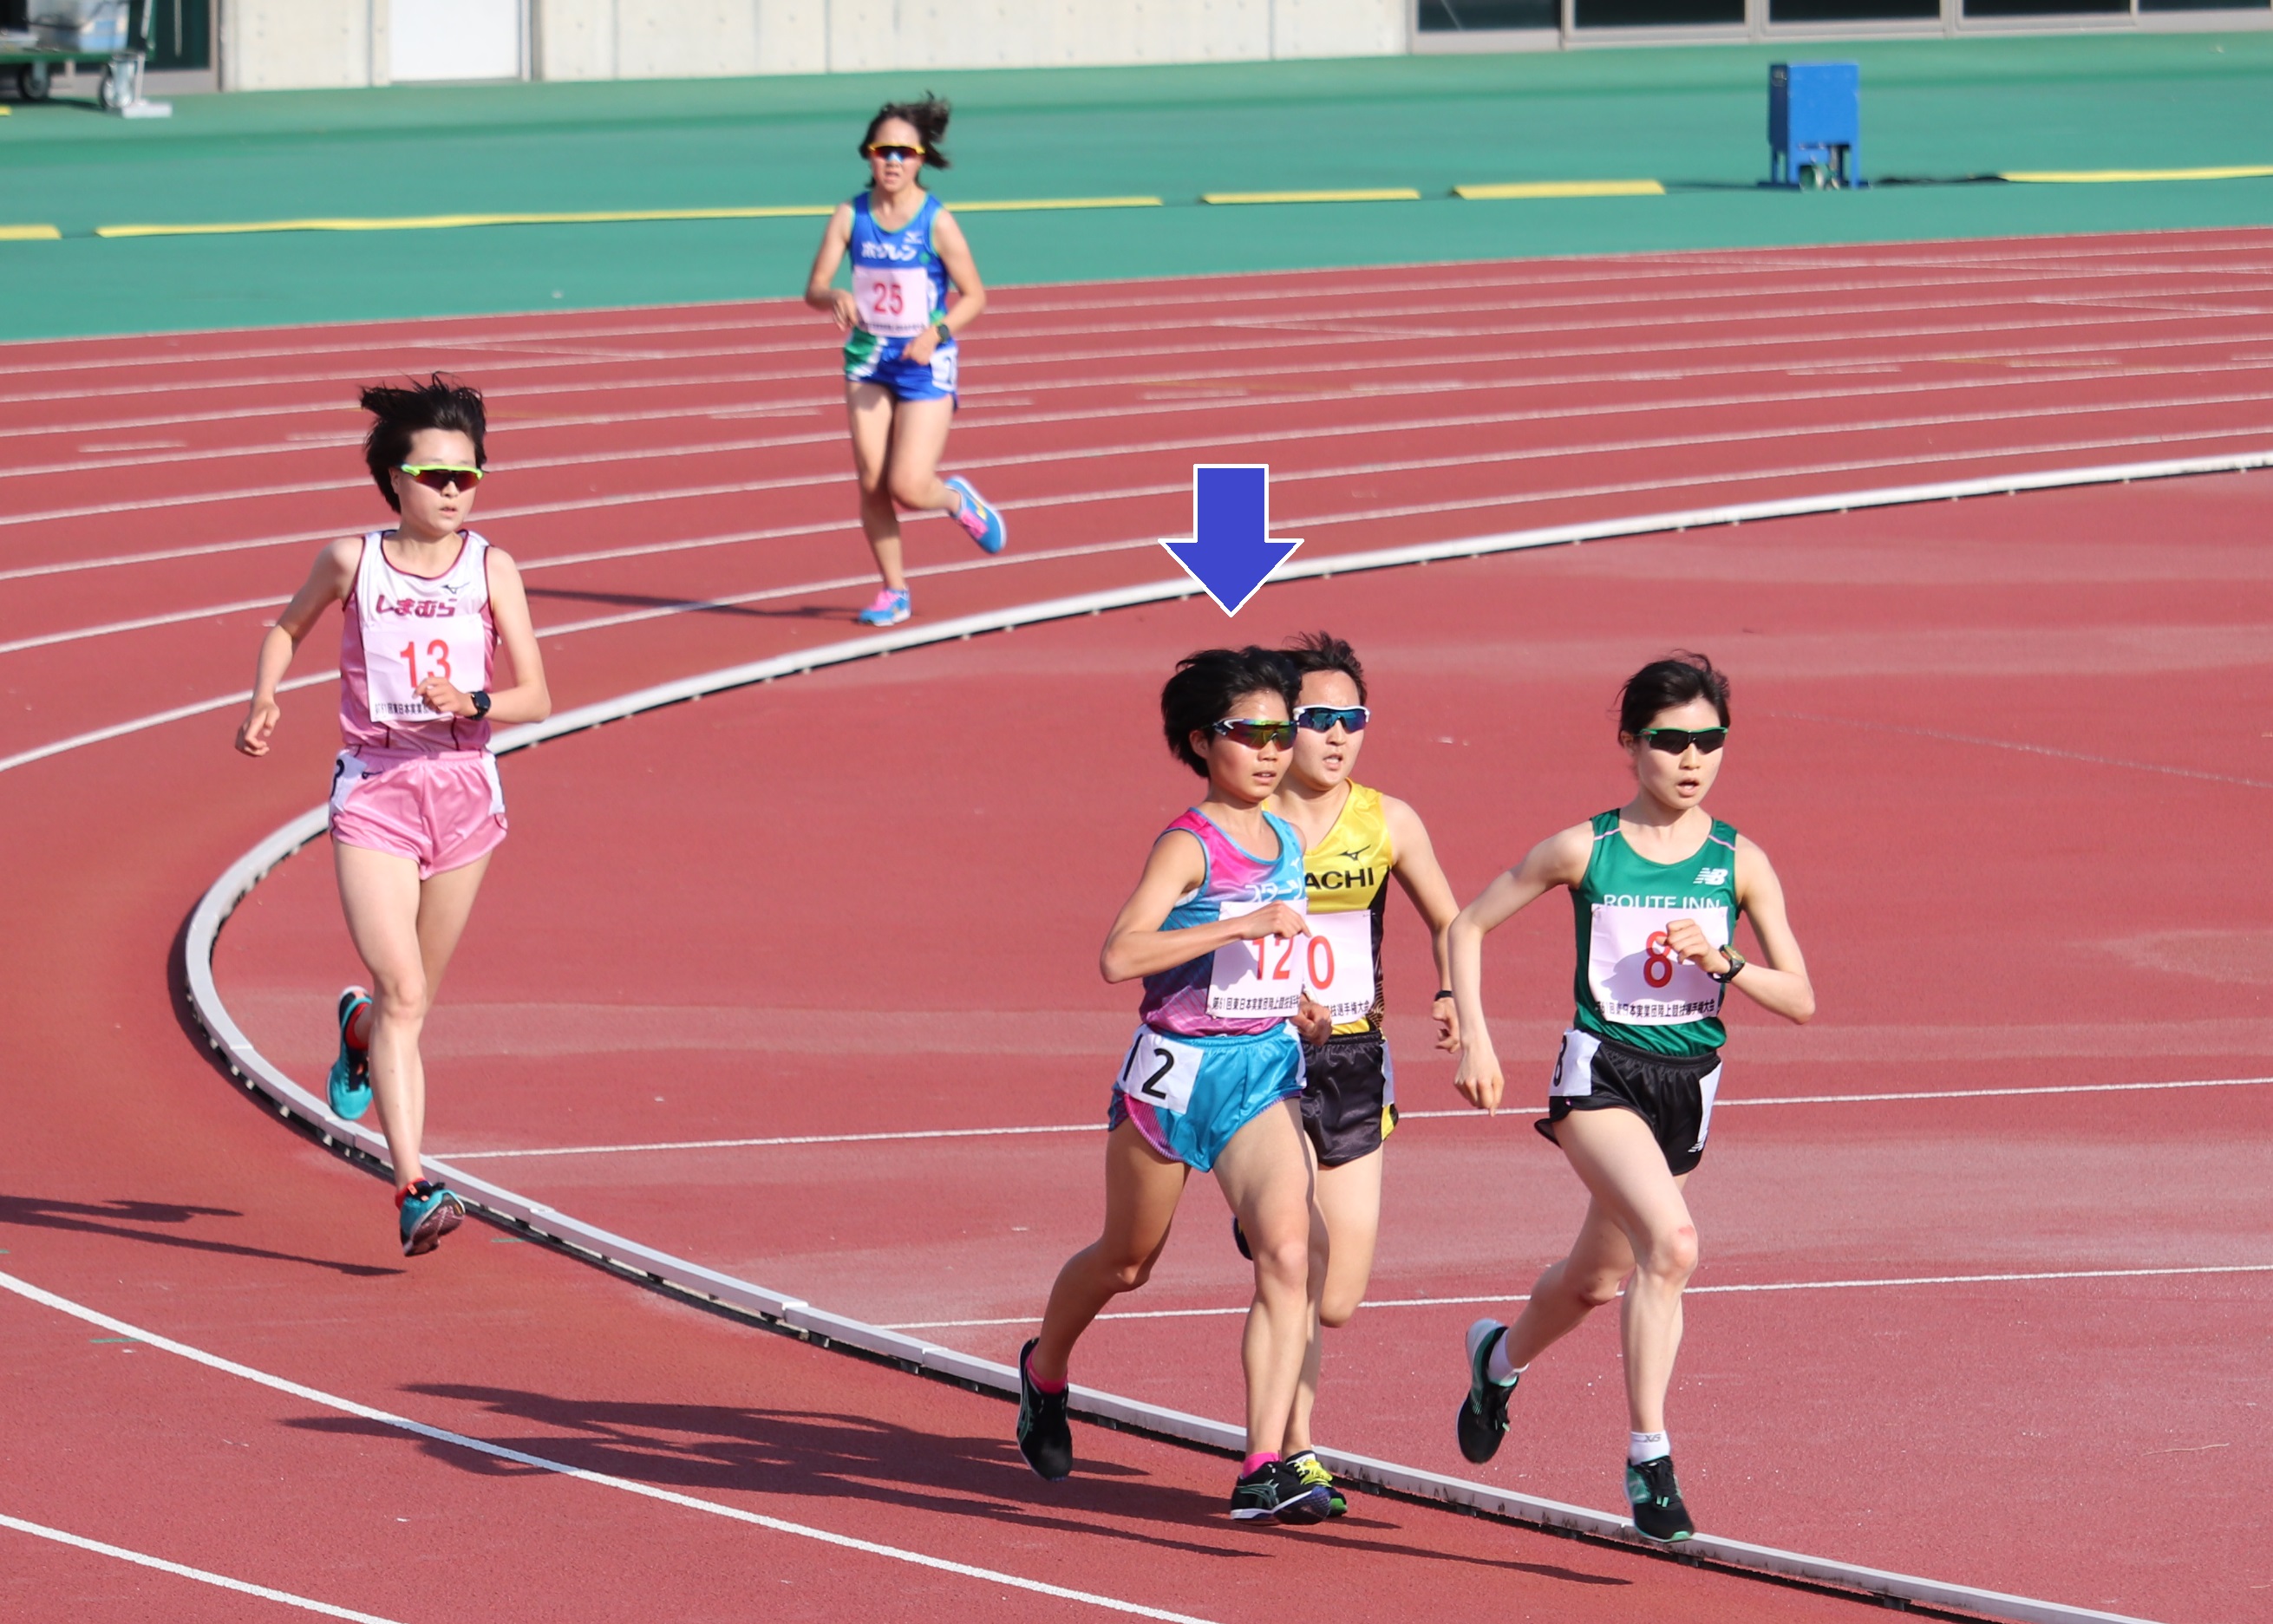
(1632, 987)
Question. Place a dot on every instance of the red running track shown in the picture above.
(1762, 374)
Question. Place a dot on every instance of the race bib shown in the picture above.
(1338, 964)
(1258, 980)
(1635, 976)
(1159, 1071)
(400, 652)
(893, 301)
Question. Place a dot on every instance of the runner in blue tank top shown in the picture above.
(900, 355)
(1657, 887)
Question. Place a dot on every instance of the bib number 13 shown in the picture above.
(437, 662)
(1159, 1071)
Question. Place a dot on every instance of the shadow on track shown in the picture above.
(110, 1217)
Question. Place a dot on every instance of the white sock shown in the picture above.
(1646, 1447)
(1496, 1367)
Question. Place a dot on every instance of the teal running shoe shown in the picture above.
(983, 523)
(890, 607)
(1658, 1512)
(1276, 1494)
(349, 1083)
(429, 1212)
(1483, 1420)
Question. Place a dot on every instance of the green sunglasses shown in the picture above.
(442, 476)
(1254, 735)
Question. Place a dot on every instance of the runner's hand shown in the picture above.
(843, 308)
(919, 348)
(1271, 919)
(440, 696)
(1448, 1022)
(1479, 1078)
(259, 722)
(1686, 938)
(1314, 1023)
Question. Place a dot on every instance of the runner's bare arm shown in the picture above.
(1423, 882)
(963, 271)
(1136, 946)
(527, 700)
(1777, 980)
(1558, 860)
(330, 579)
(834, 302)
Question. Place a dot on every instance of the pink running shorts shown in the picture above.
(441, 810)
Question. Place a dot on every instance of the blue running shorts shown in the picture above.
(871, 360)
(1188, 1096)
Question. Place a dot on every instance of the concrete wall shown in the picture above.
(309, 44)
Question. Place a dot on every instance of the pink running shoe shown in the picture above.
(890, 608)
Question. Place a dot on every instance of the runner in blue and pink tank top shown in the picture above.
(416, 804)
(1210, 1080)
(900, 352)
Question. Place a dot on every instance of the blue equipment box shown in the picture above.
(1815, 120)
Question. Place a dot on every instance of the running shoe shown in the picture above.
(1313, 1472)
(1655, 1497)
(1276, 1494)
(350, 1080)
(983, 523)
(1239, 1239)
(429, 1212)
(1043, 1438)
(890, 608)
(1483, 1413)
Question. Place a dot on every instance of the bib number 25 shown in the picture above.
(1159, 1071)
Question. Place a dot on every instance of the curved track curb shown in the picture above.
(259, 1075)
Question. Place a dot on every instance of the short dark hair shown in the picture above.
(397, 413)
(1323, 651)
(1208, 683)
(928, 117)
(1661, 685)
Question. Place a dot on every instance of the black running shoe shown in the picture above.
(1656, 1500)
(1483, 1414)
(1239, 1239)
(1312, 1470)
(1276, 1494)
(1044, 1437)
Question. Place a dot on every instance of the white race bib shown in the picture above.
(1638, 979)
(401, 651)
(893, 301)
(1159, 1071)
(1258, 980)
(1338, 964)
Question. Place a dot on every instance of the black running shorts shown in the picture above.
(1672, 1093)
(1349, 1097)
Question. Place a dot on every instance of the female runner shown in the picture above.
(1353, 839)
(416, 804)
(1212, 1080)
(900, 356)
(1657, 887)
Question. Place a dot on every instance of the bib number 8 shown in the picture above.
(1658, 959)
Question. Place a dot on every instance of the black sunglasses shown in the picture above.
(1325, 718)
(1675, 741)
(1254, 735)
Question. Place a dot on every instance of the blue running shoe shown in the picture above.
(890, 608)
(429, 1213)
(983, 523)
(350, 1079)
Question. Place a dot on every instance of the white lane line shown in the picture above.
(157, 719)
(1725, 1102)
(182, 1570)
(1695, 1291)
(522, 1457)
(142, 624)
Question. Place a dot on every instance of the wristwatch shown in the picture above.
(946, 335)
(480, 699)
(1737, 962)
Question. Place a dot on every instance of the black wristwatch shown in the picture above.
(946, 334)
(480, 699)
(1737, 962)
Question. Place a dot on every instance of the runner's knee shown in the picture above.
(909, 490)
(1672, 1255)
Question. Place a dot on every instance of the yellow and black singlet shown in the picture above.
(1347, 876)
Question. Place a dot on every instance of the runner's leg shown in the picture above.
(1349, 1208)
(1266, 1175)
(1142, 1188)
(1618, 1159)
(868, 410)
(918, 440)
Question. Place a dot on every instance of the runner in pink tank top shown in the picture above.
(416, 804)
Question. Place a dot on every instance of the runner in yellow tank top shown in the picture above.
(1353, 839)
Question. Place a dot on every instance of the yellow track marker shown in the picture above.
(1369, 194)
(1561, 188)
(29, 233)
(1052, 203)
(447, 222)
(2104, 176)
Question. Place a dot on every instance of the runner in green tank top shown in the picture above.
(1657, 887)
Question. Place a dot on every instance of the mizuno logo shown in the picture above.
(1711, 877)
(1354, 855)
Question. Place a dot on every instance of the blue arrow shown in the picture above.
(1231, 552)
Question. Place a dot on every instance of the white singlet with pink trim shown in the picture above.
(401, 628)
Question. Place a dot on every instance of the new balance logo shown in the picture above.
(1711, 877)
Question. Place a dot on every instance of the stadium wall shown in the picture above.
(318, 44)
